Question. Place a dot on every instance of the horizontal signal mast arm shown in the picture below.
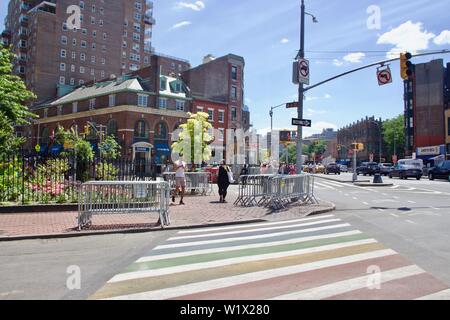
(369, 66)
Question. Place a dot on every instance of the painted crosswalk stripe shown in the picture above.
(337, 288)
(169, 293)
(210, 235)
(263, 236)
(249, 246)
(325, 186)
(441, 295)
(255, 225)
(219, 263)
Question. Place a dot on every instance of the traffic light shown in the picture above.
(406, 66)
(358, 146)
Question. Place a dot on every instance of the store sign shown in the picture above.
(429, 151)
(140, 149)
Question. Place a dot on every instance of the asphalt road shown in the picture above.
(412, 217)
(38, 269)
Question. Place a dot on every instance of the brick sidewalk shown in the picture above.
(198, 211)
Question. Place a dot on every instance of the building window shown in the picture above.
(111, 128)
(91, 104)
(62, 66)
(234, 73)
(74, 107)
(162, 103)
(82, 70)
(64, 26)
(211, 114)
(45, 112)
(221, 116)
(92, 20)
(199, 109)
(63, 39)
(142, 100)
(72, 81)
(74, 42)
(140, 129)
(112, 100)
(74, 55)
(233, 92)
(60, 110)
(136, 37)
(178, 87)
(163, 85)
(62, 80)
(82, 56)
(234, 113)
(82, 4)
(72, 68)
(180, 105)
(63, 53)
(83, 44)
(93, 59)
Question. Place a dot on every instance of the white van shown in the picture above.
(408, 168)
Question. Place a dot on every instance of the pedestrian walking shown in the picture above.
(180, 179)
(223, 181)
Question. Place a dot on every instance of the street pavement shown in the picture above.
(320, 257)
(412, 217)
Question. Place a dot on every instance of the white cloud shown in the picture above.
(181, 24)
(337, 62)
(196, 6)
(354, 57)
(284, 40)
(313, 112)
(443, 38)
(408, 36)
(327, 96)
(312, 98)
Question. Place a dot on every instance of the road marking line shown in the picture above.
(263, 236)
(253, 230)
(226, 262)
(441, 295)
(412, 202)
(255, 225)
(411, 222)
(247, 246)
(355, 198)
(394, 215)
(365, 203)
(345, 286)
(204, 286)
(325, 186)
(434, 208)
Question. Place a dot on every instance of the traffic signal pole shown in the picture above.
(301, 55)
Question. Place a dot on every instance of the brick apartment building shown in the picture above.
(427, 100)
(114, 39)
(142, 109)
(366, 131)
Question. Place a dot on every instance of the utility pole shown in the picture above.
(301, 55)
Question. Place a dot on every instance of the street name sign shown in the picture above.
(301, 123)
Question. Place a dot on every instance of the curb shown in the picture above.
(144, 230)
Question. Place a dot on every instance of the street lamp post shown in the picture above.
(381, 137)
(301, 55)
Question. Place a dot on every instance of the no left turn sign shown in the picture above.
(384, 76)
(303, 71)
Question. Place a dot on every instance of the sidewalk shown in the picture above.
(198, 211)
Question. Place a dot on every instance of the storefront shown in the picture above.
(431, 155)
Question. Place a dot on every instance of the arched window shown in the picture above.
(140, 129)
(45, 136)
(161, 131)
(111, 129)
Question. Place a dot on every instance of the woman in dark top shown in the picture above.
(223, 181)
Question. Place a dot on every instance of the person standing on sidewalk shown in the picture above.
(223, 181)
(180, 179)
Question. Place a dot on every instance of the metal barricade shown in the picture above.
(123, 197)
(199, 182)
(275, 191)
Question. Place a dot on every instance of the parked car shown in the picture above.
(407, 168)
(333, 168)
(320, 168)
(368, 168)
(343, 168)
(441, 171)
(386, 168)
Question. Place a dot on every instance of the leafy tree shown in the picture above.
(109, 148)
(394, 134)
(13, 96)
(193, 142)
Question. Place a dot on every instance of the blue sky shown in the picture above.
(266, 34)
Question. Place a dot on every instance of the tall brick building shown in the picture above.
(426, 100)
(114, 39)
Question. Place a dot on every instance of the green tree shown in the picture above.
(194, 139)
(13, 96)
(394, 135)
(109, 148)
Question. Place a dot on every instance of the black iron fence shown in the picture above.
(27, 179)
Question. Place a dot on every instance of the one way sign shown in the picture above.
(301, 123)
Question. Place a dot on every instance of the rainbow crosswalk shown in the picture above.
(319, 257)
